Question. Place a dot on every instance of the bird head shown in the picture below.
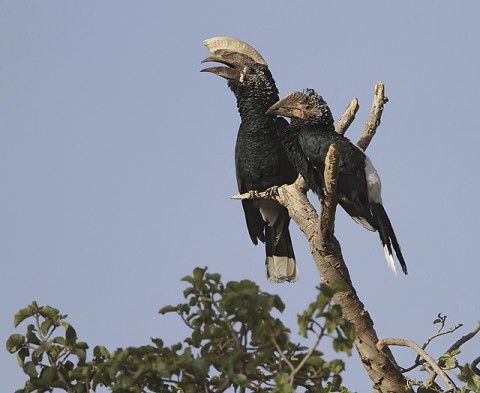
(244, 68)
(307, 106)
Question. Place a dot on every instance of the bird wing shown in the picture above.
(352, 183)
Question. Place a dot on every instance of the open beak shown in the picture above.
(234, 62)
(230, 72)
(224, 72)
(291, 106)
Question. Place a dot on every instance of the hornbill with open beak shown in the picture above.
(307, 140)
(260, 160)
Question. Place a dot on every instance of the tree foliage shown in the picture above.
(235, 342)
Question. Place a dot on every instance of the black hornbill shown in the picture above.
(260, 160)
(307, 140)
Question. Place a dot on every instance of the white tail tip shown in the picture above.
(390, 260)
(281, 269)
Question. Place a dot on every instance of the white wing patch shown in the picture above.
(374, 185)
(364, 223)
(269, 211)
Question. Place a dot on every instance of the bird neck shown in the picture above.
(317, 124)
(252, 107)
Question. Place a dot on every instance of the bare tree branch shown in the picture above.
(282, 355)
(456, 345)
(439, 333)
(407, 343)
(462, 340)
(374, 117)
(329, 203)
(304, 360)
(347, 117)
(473, 366)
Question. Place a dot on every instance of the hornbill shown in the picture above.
(260, 160)
(307, 140)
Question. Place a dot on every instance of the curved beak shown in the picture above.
(291, 106)
(235, 64)
(224, 72)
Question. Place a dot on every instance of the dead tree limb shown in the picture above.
(374, 117)
(407, 343)
(456, 345)
(473, 366)
(347, 117)
(325, 249)
(440, 332)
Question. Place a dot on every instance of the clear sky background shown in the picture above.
(116, 159)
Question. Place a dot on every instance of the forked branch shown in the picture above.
(407, 343)
(456, 345)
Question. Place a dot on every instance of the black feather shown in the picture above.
(307, 140)
(260, 160)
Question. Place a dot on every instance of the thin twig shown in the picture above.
(347, 117)
(408, 343)
(282, 355)
(50, 358)
(456, 345)
(307, 356)
(439, 333)
(374, 117)
(233, 332)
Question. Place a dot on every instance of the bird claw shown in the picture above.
(272, 192)
(254, 194)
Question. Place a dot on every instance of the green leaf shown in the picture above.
(201, 367)
(45, 346)
(215, 277)
(450, 363)
(32, 337)
(50, 313)
(188, 279)
(23, 314)
(15, 342)
(21, 355)
(30, 370)
(60, 341)
(82, 356)
(198, 273)
(167, 309)
(455, 352)
(45, 326)
(101, 351)
(157, 341)
(70, 333)
(81, 345)
(49, 374)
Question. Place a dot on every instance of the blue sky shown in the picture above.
(116, 159)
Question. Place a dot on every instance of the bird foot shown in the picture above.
(254, 194)
(272, 192)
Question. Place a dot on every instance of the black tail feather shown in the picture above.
(387, 234)
(280, 260)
